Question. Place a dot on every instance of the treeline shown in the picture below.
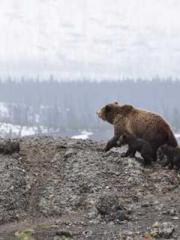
(67, 104)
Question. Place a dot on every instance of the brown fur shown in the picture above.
(140, 123)
(136, 145)
(172, 155)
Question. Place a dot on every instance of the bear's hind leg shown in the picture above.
(130, 153)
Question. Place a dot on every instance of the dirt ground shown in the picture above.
(63, 189)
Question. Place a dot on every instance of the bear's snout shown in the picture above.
(98, 113)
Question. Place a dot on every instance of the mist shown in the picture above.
(89, 39)
(69, 108)
(62, 60)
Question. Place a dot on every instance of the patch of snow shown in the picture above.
(27, 131)
(8, 129)
(84, 135)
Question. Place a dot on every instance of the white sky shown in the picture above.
(97, 38)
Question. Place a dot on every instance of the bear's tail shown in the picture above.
(172, 140)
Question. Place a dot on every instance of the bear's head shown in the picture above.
(110, 111)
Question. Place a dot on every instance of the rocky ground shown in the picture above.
(63, 189)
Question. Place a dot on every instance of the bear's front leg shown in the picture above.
(130, 153)
(111, 143)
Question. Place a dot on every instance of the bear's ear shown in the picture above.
(126, 109)
(107, 108)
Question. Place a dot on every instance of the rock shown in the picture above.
(175, 218)
(171, 212)
(146, 204)
(164, 230)
(13, 189)
(62, 235)
(9, 146)
(26, 234)
(72, 186)
(70, 152)
(111, 209)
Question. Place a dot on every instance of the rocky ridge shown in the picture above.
(62, 189)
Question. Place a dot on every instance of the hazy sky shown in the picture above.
(96, 38)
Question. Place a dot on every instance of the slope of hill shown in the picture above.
(61, 188)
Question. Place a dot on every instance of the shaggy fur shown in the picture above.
(136, 144)
(172, 155)
(142, 124)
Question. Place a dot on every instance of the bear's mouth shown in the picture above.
(100, 115)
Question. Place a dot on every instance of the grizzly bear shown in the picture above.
(172, 155)
(140, 123)
(136, 144)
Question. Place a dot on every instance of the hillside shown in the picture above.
(62, 189)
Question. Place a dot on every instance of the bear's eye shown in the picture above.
(107, 108)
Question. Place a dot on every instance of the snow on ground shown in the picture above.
(11, 130)
(8, 129)
(177, 135)
(84, 135)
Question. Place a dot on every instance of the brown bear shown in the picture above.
(136, 145)
(172, 155)
(140, 123)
